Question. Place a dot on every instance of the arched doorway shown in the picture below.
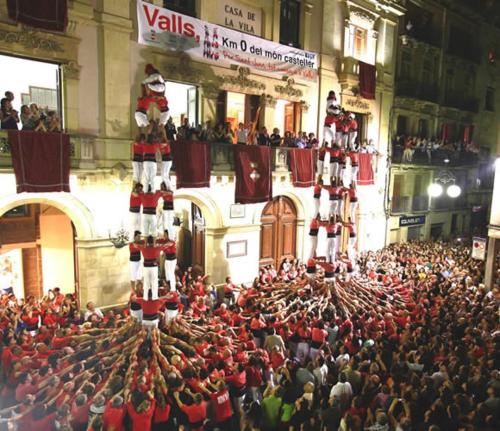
(37, 251)
(190, 236)
(278, 232)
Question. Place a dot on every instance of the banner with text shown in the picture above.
(215, 44)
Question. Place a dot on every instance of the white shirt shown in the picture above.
(242, 135)
(342, 391)
(89, 313)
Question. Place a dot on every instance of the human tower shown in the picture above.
(339, 159)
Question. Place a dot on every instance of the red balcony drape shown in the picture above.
(365, 172)
(47, 14)
(367, 79)
(302, 167)
(192, 163)
(254, 178)
(41, 161)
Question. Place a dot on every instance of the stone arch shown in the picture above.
(209, 208)
(79, 214)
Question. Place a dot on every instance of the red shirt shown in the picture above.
(222, 405)
(150, 306)
(113, 418)
(137, 150)
(150, 200)
(354, 156)
(317, 190)
(150, 253)
(195, 413)
(44, 424)
(319, 335)
(80, 414)
(161, 415)
(135, 201)
(141, 421)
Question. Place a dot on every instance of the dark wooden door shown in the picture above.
(278, 232)
(197, 241)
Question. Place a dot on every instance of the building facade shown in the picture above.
(100, 65)
(446, 100)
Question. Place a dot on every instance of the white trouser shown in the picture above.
(351, 251)
(338, 174)
(345, 140)
(334, 168)
(354, 174)
(170, 272)
(302, 351)
(165, 173)
(135, 270)
(167, 222)
(352, 139)
(137, 169)
(329, 133)
(320, 166)
(337, 243)
(135, 222)
(354, 206)
(141, 119)
(150, 281)
(149, 224)
(330, 249)
(150, 323)
(317, 202)
(314, 245)
(170, 314)
(136, 314)
(334, 206)
(149, 176)
(164, 116)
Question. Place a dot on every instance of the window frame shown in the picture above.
(185, 7)
(286, 6)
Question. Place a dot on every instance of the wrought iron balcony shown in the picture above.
(417, 90)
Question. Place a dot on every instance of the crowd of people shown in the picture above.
(32, 117)
(432, 148)
(408, 342)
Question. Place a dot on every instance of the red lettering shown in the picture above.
(179, 26)
(174, 23)
(188, 29)
(164, 23)
(151, 19)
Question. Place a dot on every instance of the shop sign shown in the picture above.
(240, 17)
(406, 221)
(356, 104)
(478, 248)
(215, 44)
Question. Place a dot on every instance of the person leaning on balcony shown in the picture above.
(408, 150)
(275, 138)
(30, 121)
(8, 116)
(241, 134)
(52, 122)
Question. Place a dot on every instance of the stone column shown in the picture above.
(306, 26)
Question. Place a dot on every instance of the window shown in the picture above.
(450, 81)
(490, 99)
(290, 22)
(423, 128)
(359, 42)
(402, 125)
(405, 64)
(186, 7)
(428, 72)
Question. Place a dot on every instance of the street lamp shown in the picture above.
(443, 178)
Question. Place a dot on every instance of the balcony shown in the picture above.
(400, 204)
(417, 90)
(459, 101)
(436, 158)
(420, 203)
(83, 156)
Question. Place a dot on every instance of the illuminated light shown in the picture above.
(434, 190)
(453, 191)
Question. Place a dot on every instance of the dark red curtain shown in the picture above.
(192, 164)
(47, 14)
(41, 161)
(253, 174)
(365, 172)
(302, 166)
(367, 77)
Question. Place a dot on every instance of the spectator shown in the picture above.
(92, 311)
(8, 116)
(275, 138)
(263, 137)
(241, 134)
(170, 129)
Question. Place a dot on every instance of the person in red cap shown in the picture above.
(170, 252)
(352, 131)
(149, 203)
(149, 149)
(166, 164)
(153, 89)
(135, 207)
(313, 233)
(332, 111)
(137, 158)
(335, 198)
(150, 252)
(331, 235)
(311, 267)
(317, 196)
(351, 250)
(321, 161)
(334, 163)
(167, 215)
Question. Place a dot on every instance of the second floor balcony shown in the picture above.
(417, 90)
(462, 102)
(418, 156)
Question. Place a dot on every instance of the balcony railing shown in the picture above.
(420, 203)
(458, 101)
(83, 155)
(435, 158)
(417, 90)
(400, 204)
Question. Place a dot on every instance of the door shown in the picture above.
(278, 232)
(197, 241)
